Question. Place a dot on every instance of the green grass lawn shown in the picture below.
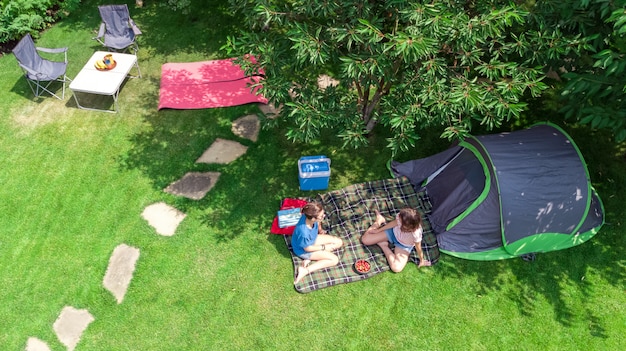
(75, 182)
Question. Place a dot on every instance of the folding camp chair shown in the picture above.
(117, 30)
(39, 72)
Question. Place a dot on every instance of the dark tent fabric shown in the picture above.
(543, 157)
(504, 195)
(454, 191)
(418, 170)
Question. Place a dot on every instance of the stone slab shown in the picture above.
(34, 344)
(270, 111)
(194, 185)
(324, 81)
(120, 270)
(163, 218)
(70, 325)
(247, 127)
(222, 151)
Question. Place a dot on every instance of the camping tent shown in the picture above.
(506, 195)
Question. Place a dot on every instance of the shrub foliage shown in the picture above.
(18, 17)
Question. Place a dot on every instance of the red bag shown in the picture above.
(286, 204)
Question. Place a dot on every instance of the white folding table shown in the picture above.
(90, 80)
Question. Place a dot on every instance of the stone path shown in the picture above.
(324, 81)
(194, 185)
(70, 325)
(120, 271)
(222, 151)
(270, 111)
(247, 127)
(164, 219)
(34, 344)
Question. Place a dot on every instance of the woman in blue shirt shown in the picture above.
(311, 243)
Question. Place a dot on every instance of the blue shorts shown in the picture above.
(396, 243)
(305, 255)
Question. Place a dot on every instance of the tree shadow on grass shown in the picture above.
(250, 189)
(551, 278)
(163, 29)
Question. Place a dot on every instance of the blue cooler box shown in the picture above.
(314, 172)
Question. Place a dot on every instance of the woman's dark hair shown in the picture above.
(312, 210)
(410, 219)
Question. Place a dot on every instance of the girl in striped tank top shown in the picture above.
(404, 231)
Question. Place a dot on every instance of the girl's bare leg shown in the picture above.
(380, 220)
(371, 235)
(397, 260)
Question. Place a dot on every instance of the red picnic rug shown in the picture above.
(206, 84)
(287, 204)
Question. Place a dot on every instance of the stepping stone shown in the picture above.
(120, 271)
(324, 81)
(163, 218)
(70, 325)
(222, 151)
(247, 127)
(270, 111)
(194, 185)
(34, 344)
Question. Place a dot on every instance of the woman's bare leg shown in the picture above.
(330, 241)
(322, 259)
(302, 272)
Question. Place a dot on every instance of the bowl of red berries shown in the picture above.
(362, 266)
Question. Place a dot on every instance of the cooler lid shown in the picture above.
(314, 167)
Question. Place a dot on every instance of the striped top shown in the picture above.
(407, 238)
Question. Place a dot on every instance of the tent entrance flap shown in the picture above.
(478, 181)
(456, 189)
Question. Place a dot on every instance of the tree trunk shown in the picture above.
(368, 110)
(371, 124)
(369, 105)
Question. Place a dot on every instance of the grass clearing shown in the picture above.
(76, 182)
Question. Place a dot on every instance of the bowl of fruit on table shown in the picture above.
(362, 266)
(106, 63)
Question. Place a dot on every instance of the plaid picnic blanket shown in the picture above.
(349, 212)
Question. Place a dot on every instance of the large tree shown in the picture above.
(595, 83)
(399, 63)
